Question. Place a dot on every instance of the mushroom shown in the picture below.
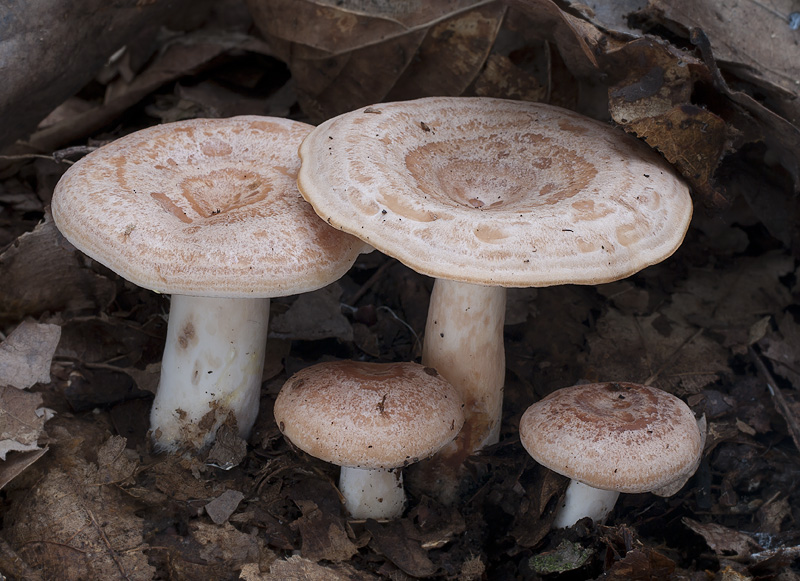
(371, 419)
(208, 211)
(484, 194)
(610, 438)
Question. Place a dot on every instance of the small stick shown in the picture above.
(777, 397)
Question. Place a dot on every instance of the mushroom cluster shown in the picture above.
(610, 438)
(481, 194)
(371, 419)
(208, 211)
(484, 194)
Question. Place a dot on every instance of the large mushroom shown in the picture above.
(208, 211)
(610, 438)
(484, 194)
(371, 419)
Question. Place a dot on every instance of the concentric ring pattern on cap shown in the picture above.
(205, 207)
(495, 192)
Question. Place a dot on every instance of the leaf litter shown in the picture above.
(716, 324)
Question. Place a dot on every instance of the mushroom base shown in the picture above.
(211, 370)
(376, 493)
(582, 500)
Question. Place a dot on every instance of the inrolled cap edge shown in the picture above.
(369, 415)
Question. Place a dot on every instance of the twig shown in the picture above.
(108, 545)
(777, 397)
(352, 300)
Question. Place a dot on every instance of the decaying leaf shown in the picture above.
(73, 528)
(654, 101)
(722, 540)
(390, 540)
(568, 556)
(26, 354)
(224, 544)
(782, 348)
(324, 535)
(751, 38)
(297, 568)
(50, 50)
(668, 353)
(41, 272)
(223, 506)
(641, 565)
(536, 512)
(22, 418)
(348, 54)
(176, 59)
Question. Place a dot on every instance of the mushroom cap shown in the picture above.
(205, 207)
(495, 192)
(369, 415)
(615, 436)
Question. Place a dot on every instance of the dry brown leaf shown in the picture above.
(390, 540)
(668, 352)
(17, 463)
(116, 464)
(22, 419)
(730, 299)
(336, 27)
(42, 272)
(297, 568)
(641, 564)
(223, 506)
(348, 54)
(451, 55)
(72, 528)
(26, 354)
(177, 59)
(653, 101)
(226, 545)
(50, 50)
(324, 536)
(751, 37)
(722, 540)
(782, 348)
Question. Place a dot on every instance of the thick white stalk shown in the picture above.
(582, 500)
(212, 365)
(464, 343)
(376, 493)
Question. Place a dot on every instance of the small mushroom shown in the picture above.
(371, 419)
(610, 438)
(485, 194)
(207, 210)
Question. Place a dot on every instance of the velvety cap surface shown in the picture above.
(614, 436)
(490, 191)
(205, 207)
(369, 415)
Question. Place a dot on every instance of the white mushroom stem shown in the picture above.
(464, 343)
(582, 500)
(373, 493)
(212, 366)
